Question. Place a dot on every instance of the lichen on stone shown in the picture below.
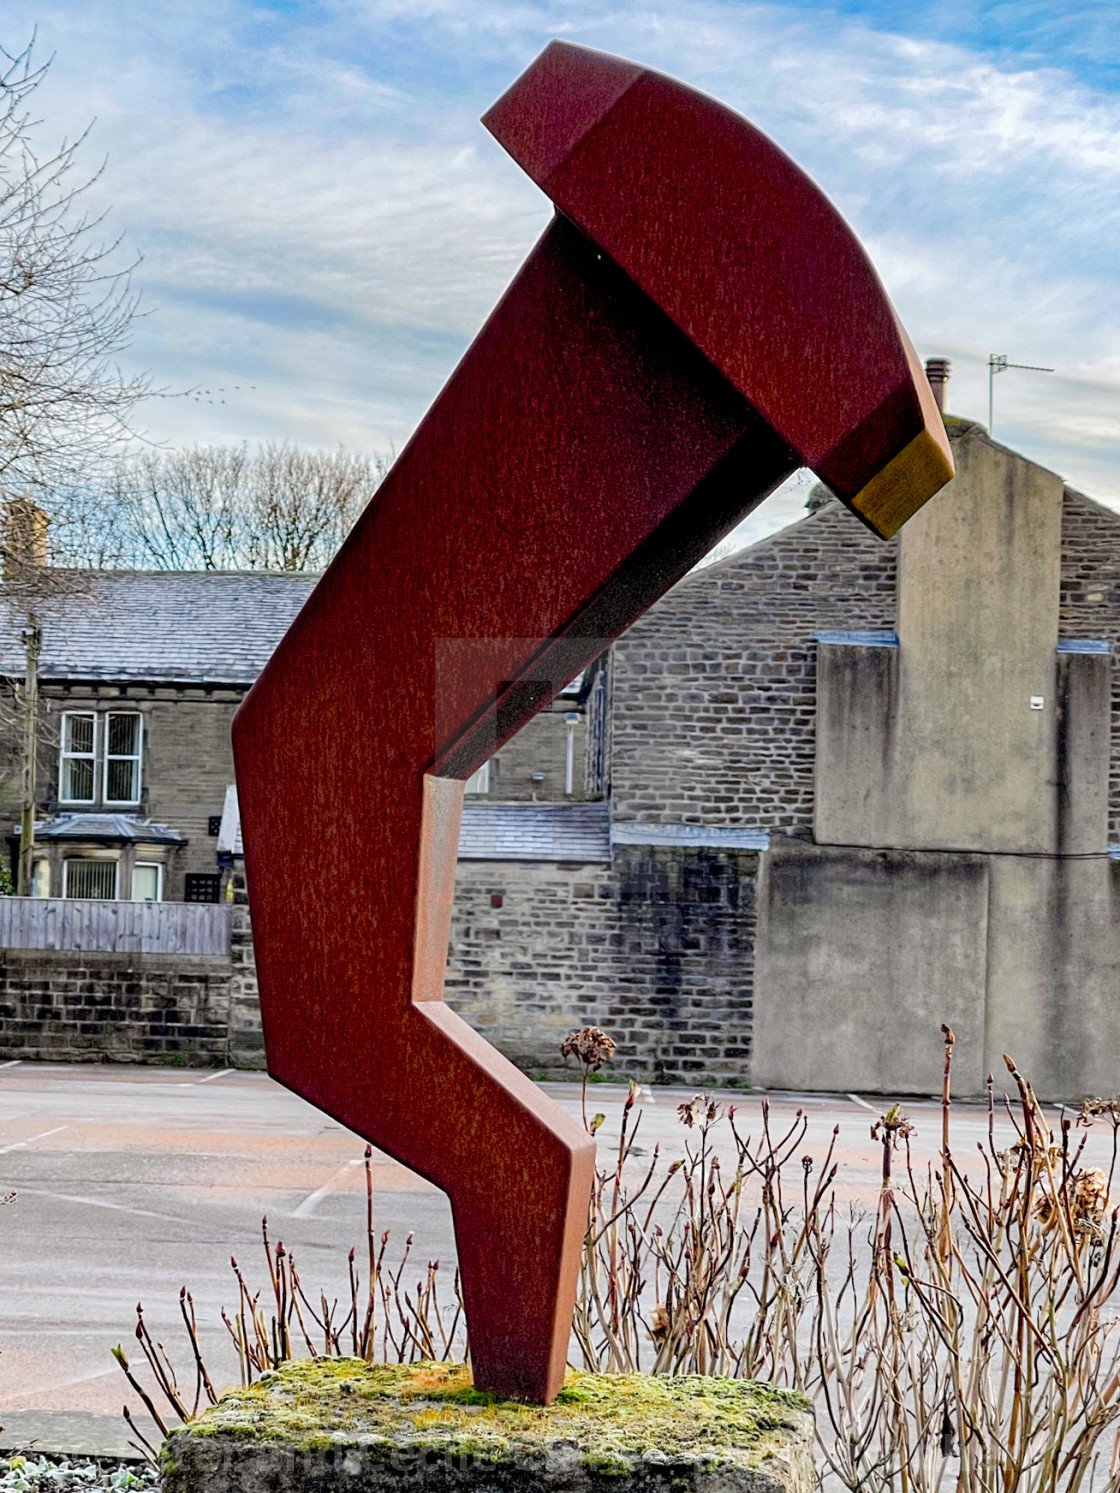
(605, 1423)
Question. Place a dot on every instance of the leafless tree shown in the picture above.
(177, 510)
(276, 507)
(66, 312)
(302, 504)
(66, 309)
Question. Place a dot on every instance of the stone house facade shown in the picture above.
(129, 948)
(140, 674)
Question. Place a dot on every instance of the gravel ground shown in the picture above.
(48, 1475)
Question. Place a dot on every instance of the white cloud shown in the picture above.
(323, 217)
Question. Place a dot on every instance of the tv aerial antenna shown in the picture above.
(997, 363)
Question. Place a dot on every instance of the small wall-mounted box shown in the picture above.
(1037, 702)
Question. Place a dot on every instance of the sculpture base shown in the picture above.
(317, 1426)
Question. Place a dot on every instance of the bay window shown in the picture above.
(83, 876)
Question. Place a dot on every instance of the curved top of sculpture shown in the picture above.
(774, 288)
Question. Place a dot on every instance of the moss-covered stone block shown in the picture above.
(344, 1426)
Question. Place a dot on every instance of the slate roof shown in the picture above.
(116, 827)
(534, 832)
(549, 832)
(496, 832)
(1084, 645)
(879, 639)
(193, 627)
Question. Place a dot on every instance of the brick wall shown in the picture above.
(714, 689)
(130, 1008)
(656, 949)
(1090, 603)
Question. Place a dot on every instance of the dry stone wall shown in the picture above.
(128, 1008)
(656, 948)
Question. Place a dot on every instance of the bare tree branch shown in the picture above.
(65, 310)
(277, 507)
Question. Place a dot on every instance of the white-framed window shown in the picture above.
(147, 882)
(479, 782)
(124, 740)
(78, 757)
(103, 752)
(91, 878)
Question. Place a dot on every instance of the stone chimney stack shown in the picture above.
(25, 537)
(937, 371)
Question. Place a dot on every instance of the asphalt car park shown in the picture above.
(133, 1182)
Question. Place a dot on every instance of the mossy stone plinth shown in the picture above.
(343, 1426)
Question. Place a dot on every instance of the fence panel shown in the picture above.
(114, 927)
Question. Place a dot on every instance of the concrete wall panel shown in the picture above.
(1083, 744)
(861, 956)
(979, 573)
(1054, 974)
(857, 719)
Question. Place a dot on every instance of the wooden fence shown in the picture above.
(114, 927)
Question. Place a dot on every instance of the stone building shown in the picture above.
(127, 948)
(135, 942)
(140, 674)
(855, 790)
(826, 795)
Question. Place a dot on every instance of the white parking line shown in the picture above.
(313, 1199)
(863, 1104)
(210, 1077)
(69, 1197)
(19, 1144)
(14, 1063)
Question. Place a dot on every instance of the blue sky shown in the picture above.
(324, 224)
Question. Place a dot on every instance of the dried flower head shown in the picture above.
(659, 1323)
(1010, 1160)
(701, 1109)
(1093, 1109)
(591, 1045)
(1086, 1196)
(1090, 1203)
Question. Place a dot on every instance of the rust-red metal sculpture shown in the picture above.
(696, 323)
